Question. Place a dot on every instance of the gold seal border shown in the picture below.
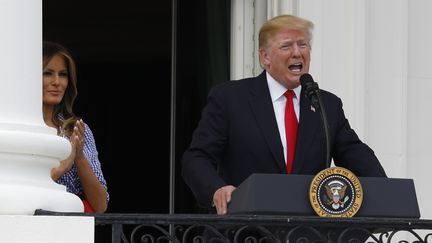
(316, 181)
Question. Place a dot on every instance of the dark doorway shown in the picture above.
(123, 55)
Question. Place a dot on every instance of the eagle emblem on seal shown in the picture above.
(335, 192)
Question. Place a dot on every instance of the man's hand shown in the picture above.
(222, 197)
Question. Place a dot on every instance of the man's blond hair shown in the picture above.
(276, 24)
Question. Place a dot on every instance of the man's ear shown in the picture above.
(264, 57)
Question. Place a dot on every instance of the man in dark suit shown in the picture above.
(242, 127)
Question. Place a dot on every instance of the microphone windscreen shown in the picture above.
(305, 79)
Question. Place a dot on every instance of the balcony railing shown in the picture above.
(134, 228)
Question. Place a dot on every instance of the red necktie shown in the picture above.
(291, 125)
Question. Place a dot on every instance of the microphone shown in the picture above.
(311, 89)
(312, 92)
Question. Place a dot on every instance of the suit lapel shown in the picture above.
(262, 108)
(309, 122)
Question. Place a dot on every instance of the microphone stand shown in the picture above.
(325, 124)
(313, 93)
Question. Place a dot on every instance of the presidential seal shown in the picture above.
(335, 192)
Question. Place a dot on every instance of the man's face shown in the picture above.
(287, 56)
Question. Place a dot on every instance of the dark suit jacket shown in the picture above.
(238, 136)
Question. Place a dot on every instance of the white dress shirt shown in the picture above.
(277, 92)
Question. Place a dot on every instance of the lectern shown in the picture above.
(288, 195)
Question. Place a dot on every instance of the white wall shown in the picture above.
(419, 130)
(374, 55)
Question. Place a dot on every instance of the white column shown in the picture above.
(242, 39)
(28, 148)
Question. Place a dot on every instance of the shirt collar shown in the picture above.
(277, 90)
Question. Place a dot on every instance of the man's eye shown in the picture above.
(47, 73)
(285, 47)
(302, 44)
